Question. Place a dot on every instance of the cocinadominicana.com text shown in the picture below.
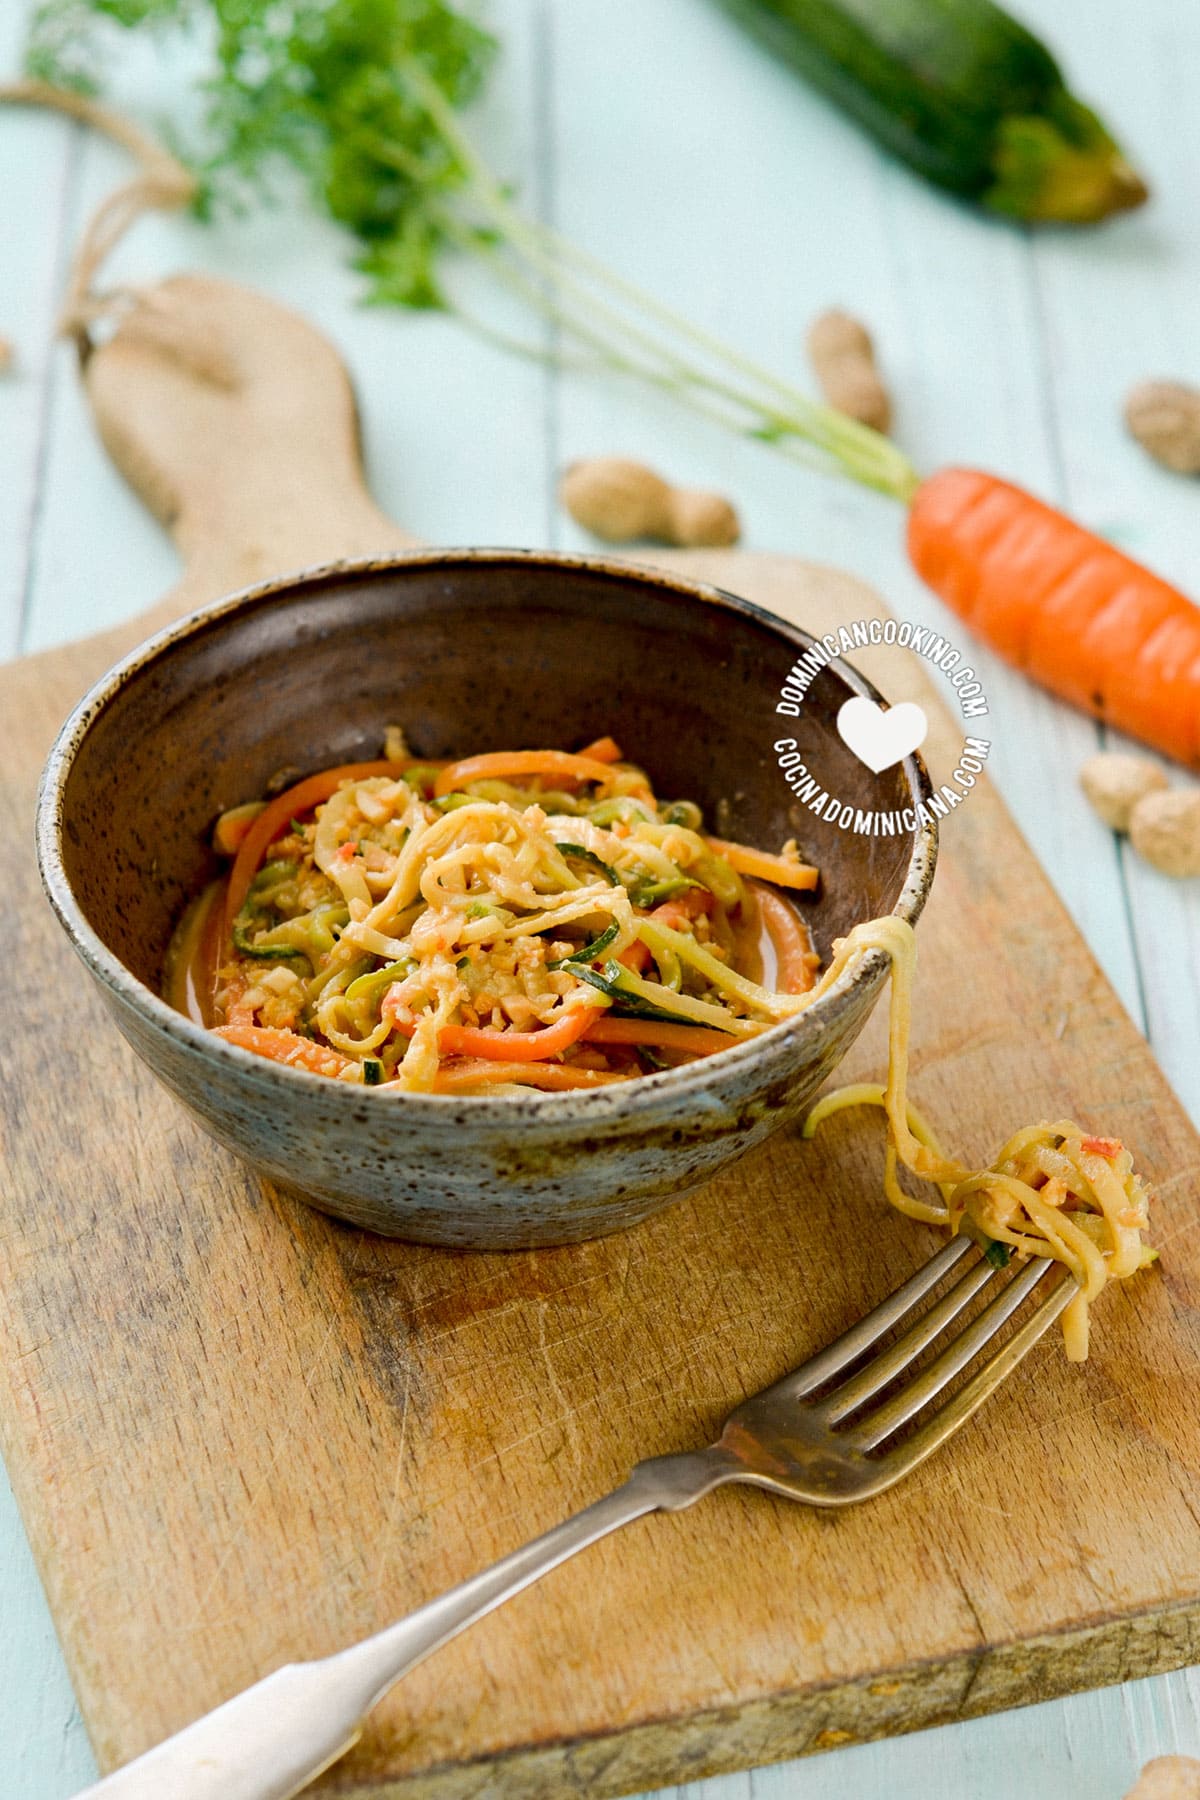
(827, 806)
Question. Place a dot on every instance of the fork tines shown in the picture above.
(842, 1405)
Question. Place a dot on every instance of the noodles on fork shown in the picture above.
(1053, 1189)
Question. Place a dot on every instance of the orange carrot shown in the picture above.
(636, 956)
(685, 908)
(301, 1053)
(517, 1046)
(498, 765)
(1077, 615)
(274, 816)
(605, 750)
(678, 914)
(696, 1038)
(795, 956)
(510, 1046)
(452, 1078)
(779, 869)
(1102, 1146)
(233, 825)
(284, 1047)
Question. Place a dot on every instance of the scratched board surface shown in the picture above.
(1008, 351)
(240, 1432)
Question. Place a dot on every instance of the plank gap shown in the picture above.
(1056, 451)
(545, 198)
(1046, 384)
(63, 222)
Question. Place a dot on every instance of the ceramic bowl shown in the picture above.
(468, 650)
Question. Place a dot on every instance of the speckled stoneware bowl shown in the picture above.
(468, 650)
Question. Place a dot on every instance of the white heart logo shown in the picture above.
(880, 738)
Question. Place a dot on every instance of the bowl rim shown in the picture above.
(588, 1105)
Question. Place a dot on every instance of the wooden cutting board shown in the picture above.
(241, 1433)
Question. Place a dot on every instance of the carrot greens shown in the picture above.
(364, 99)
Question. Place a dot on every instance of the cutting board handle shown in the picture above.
(235, 421)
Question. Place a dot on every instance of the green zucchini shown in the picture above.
(253, 919)
(309, 934)
(682, 812)
(654, 889)
(365, 987)
(245, 944)
(616, 982)
(589, 952)
(579, 854)
(631, 812)
(962, 93)
(422, 777)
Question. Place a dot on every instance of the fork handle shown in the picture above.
(271, 1740)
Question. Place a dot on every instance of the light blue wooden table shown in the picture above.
(660, 139)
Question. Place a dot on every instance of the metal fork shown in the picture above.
(814, 1436)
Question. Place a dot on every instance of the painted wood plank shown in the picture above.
(1086, 1745)
(800, 212)
(453, 426)
(454, 438)
(972, 390)
(38, 157)
(1119, 307)
(45, 1749)
(1082, 1725)
(46, 1752)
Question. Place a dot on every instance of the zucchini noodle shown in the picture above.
(1053, 1189)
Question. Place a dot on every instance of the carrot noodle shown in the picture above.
(605, 749)
(697, 1039)
(285, 1047)
(682, 911)
(782, 870)
(558, 765)
(513, 1046)
(458, 1077)
(797, 964)
(636, 956)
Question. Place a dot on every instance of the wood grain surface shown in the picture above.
(241, 1433)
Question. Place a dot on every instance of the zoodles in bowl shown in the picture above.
(540, 919)
(533, 919)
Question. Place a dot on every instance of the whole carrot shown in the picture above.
(1062, 605)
